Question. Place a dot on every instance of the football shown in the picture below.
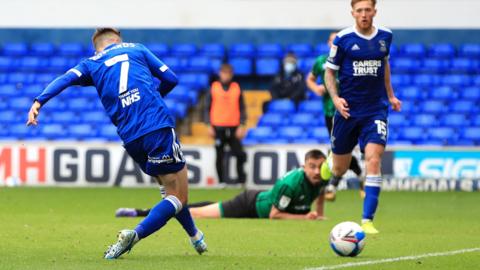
(347, 239)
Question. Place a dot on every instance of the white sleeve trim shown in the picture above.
(163, 68)
(76, 71)
(332, 66)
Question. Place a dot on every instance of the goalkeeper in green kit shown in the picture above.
(318, 71)
(290, 198)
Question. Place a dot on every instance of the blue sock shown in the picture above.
(185, 218)
(373, 185)
(158, 216)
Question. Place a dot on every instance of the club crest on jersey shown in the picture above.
(366, 67)
(383, 45)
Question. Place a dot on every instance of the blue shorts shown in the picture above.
(157, 152)
(347, 133)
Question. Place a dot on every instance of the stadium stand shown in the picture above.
(439, 85)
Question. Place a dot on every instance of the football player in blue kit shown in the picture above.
(360, 56)
(123, 74)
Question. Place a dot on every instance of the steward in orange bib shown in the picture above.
(226, 116)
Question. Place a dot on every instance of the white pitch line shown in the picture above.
(406, 258)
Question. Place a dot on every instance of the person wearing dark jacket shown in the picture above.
(227, 116)
(290, 82)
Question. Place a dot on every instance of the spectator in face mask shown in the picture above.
(290, 82)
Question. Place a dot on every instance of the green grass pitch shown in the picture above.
(67, 228)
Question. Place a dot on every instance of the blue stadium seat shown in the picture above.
(470, 50)
(185, 94)
(80, 104)
(32, 63)
(245, 50)
(61, 117)
(455, 120)
(108, 132)
(471, 93)
(284, 106)
(3, 78)
(179, 109)
(425, 120)
(21, 131)
(275, 141)
(456, 80)
(320, 134)
(200, 63)
(301, 50)
(441, 50)
(15, 49)
(306, 141)
(11, 116)
(94, 117)
(270, 50)
(71, 49)
(412, 134)
(52, 131)
(184, 50)
(216, 50)
(463, 106)
(159, 49)
(435, 65)
(464, 65)
(311, 106)
(60, 64)
(32, 90)
(405, 64)
(42, 49)
(8, 91)
(291, 133)
(443, 93)
(412, 93)
(471, 133)
(262, 134)
(433, 106)
(322, 49)
(81, 131)
(425, 80)
(398, 120)
(45, 78)
(306, 64)
(414, 50)
(7, 63)
(307, 120)
(475, 121)
(215, 64)
(20, 104)
(194, 80)
(445, 134)
(56, 105)
(272, 120)
(177, 64)
(267, 66)
(242, 66)
(400, 80)
(20, 78)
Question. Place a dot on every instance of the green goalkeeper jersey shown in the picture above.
(318, 70)
(293, 194)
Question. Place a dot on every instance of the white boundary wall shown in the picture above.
(234, 13)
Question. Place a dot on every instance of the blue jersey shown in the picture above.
(123, 75)
(360, 61)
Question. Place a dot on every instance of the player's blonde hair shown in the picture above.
(374, 2)
(102, 33)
